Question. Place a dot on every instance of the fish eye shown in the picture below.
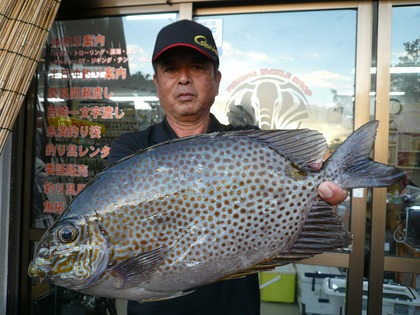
(67, 233)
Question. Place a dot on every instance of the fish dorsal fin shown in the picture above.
(323, 230)
(304, 147)
(136, 269)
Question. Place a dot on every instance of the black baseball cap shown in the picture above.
(189, 34)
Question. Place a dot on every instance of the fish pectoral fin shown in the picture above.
(136, 269)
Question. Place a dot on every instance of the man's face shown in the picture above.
(186, 84)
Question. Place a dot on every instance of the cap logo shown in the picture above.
(202, 41)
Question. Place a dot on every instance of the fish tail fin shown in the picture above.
(351, 167)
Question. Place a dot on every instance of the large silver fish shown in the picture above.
(197, 210)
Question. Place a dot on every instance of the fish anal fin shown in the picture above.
(323, 231)
(136, 269)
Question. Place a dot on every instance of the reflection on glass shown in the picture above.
(288, 69)
(403, 219)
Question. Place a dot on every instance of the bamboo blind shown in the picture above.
(24, 27)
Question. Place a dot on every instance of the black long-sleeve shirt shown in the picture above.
(232, 297)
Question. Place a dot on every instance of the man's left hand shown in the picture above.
(332, 193)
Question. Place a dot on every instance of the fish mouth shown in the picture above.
(39, 270)
(73, 266)
(41, 273)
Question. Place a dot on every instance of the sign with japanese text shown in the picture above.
(78, 116)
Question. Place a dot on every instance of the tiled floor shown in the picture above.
(279, 309)
(266, 308)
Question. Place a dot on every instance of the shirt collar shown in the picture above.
(164, 132)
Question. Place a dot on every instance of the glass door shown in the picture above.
(302, 65)
(95, 83)
(289, 70)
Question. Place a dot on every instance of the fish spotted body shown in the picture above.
(201, 209)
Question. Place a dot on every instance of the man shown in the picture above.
(187, 80)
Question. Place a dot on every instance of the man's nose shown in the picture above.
(184, 76)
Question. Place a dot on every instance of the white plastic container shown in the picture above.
(312, 298)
